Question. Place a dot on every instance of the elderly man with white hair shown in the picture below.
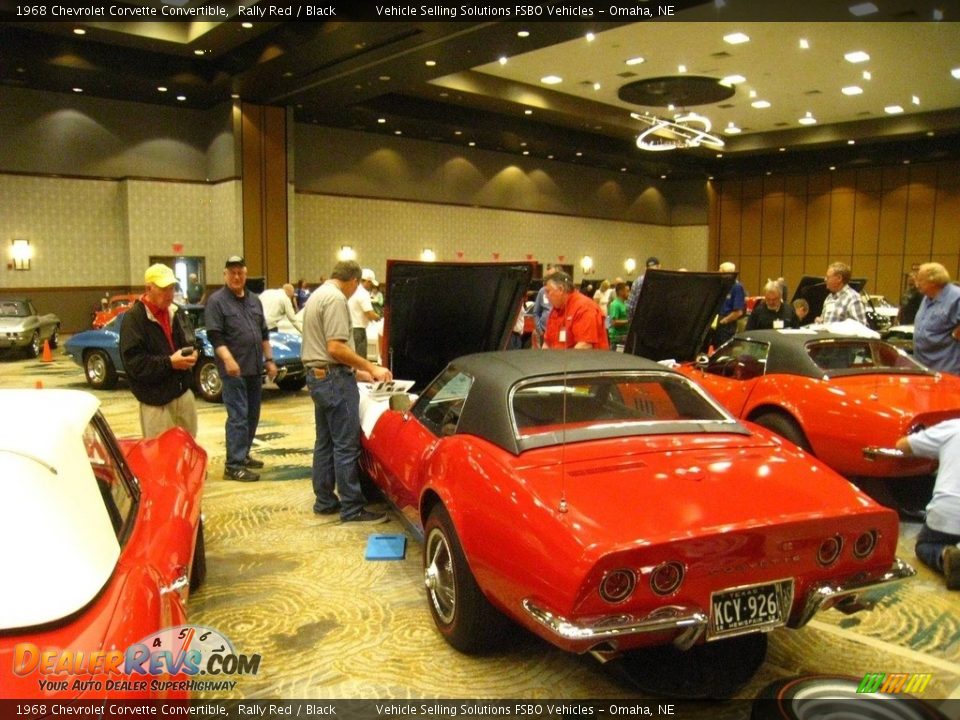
(773, 313)
(936, 328)
(278, 305)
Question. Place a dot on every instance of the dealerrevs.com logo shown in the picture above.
(172, 659)
(894, 683)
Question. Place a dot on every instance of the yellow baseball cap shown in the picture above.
(159, 275)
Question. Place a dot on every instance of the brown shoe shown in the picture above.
(951, 567)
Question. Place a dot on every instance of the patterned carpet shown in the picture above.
(295, 588)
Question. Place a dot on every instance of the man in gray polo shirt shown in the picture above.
(333, 369)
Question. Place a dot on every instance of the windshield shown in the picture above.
(850, 357)
(14, 308)
(641, 402)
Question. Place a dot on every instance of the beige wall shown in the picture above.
(878, 220)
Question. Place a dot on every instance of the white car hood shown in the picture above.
(60, 547)
(12, 324)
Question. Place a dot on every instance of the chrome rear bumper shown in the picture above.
(691, 623)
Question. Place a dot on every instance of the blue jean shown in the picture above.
(336, 452)
(930, 545)
(241, 397)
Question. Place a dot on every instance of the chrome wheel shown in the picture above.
(209, 384)
(35, 345)
(96, 369)
(438, 576)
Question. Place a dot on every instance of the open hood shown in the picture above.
(436, 312)
(674, 312)
(814, 290)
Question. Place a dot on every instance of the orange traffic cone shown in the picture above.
(39, 385)
(47, 354)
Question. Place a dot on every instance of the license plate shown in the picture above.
(750, 608)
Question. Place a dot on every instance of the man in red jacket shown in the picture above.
(575, 321)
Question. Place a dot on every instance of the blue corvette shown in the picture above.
(98, 353)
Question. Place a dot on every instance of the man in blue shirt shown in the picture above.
(936, 328)
(238, 332)
(731, 310)
(541, 307)
(652, 264)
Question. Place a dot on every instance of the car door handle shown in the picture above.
(177, 586)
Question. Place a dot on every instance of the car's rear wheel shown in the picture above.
(198, 568)
(54, 340)
(35, 346)
(817, 696)
(208, 384)
(462, 613)
(99, 370)
(785, 427)
(292, 384)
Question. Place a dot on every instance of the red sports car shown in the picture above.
(116, 305)
(606, 502)
(103, 543)
(836, 396)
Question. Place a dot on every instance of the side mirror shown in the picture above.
(400, 402)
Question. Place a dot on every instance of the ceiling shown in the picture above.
(468, 81)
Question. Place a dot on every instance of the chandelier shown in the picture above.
(684, 131)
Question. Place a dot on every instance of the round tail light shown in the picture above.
(830, 550)
(865, 544)
(618, 585)
(666, 578)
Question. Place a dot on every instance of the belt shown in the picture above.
(321, 372)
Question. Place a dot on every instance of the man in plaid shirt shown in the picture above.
(843, 302)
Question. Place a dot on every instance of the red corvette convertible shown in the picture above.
(605, 502)
(837, 396)
(103, 542)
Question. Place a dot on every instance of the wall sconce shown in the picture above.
(428, 255)
(630, 265)
(21, 253)
(586, 264)
(346, 253)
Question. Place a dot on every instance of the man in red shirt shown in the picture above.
(575, 321)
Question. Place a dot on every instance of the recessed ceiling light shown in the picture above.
(783, 149)
(760, 104)
(78, 89)
(198, 52)
(956, 72)
(381, 121)
(906, 162)
(915, 99)
(671, 107)
(596, 86)
(79, 31)
(893, 109)
(833, 167)
(181, 98)
(551, 79)
(804, 44)
(769, 172)
(528, 112)
(549, 157)
(590, 37)
(930, 133)
(526, 152)
(288, 74)
(398, 132)
(864, 8)
(851, 142)
(852, 90)
(161, 89)
(637, 60)
(430, 63)
(523, 33)
(503, 60)
(719, 155)
(472, 143)
(732, 129)
(867, 75)
(458, 132)
(937, 14)
(681, 68)
(579, 154)
(384, 78)
(753, 93)
(732, 80)
(736, 38)
(246, 25)
(523, 144)
(857, 56)
(808, 119)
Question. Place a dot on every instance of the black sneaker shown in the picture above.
(252, 462)
(365, 516)
(328, 511)
(240, 475)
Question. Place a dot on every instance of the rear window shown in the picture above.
(610, 401)
(860, 356)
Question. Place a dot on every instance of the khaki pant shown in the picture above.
(182, 412)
